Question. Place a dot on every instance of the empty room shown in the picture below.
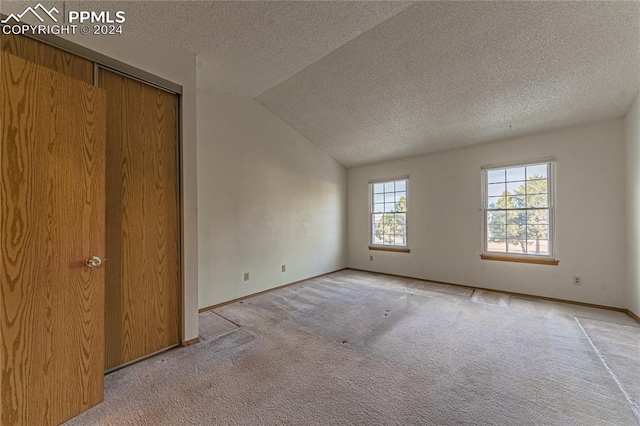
(319, 213)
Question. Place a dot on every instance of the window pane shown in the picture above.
(540, 247)
(389, 207)
(496, 217)
(496, 226)
(538, 232)
(376, 220)
(401, 201)
(516, 217)
(378, 198)
(516, 173)
(537, 186)
(496, 231)
(378, 188)
(516, 202)
(378, 207)
(389, 197)
(537, 201)
(380, 228)
(398, 228)
(401, 185)
(535, 217)
(388, 187)
(515, 246)
(494, 176)
(516, 232)
(497, 245)
(496, 189)
(496, 203)
(516, 188)
(516, 225)
(401, 223)
(537, 172)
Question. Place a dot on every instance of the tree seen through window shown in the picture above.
(389, 213)
(517, 212)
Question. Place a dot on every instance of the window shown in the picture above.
(518, 210)
(389, 213)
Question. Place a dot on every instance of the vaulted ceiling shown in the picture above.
(372, 81)
(443, 75)
(247, 47)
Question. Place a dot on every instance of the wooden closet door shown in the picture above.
(142, 282)
(47, 56)
(52, 217)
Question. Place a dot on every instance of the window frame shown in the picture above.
(388, 247)
(550, 258)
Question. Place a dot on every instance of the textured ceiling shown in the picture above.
(442, 75)
(248, 47)
(372, 81)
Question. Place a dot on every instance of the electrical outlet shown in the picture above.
(371, 258)
(246, 276)
(577, 280)
(284, 268)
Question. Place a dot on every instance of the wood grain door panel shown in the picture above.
(142, 282)
(52, 217)
(47, 56)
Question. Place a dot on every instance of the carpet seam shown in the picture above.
(219, 336)
(634, 407)
(226, 319)
(608, 322)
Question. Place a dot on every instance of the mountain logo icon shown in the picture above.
(34, 11)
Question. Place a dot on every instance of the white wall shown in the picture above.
(445, 220)
(632, 156)
(266, 197)
(180, 68)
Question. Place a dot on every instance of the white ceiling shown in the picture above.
(249, 47)
(440, 76)
(372, 81)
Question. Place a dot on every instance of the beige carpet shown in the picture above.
(366, 349)
(213, 326)
(490, 298)
(618, 346)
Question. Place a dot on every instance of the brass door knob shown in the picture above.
(93, 262)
